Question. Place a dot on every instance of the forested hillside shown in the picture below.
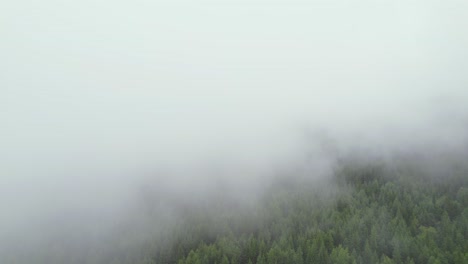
(369, 214)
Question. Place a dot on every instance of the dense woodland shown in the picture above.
(364, 213)
(369, 214)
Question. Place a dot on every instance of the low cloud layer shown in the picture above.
(99, 98)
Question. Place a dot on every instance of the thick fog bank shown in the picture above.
(109, 109)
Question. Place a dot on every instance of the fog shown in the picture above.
(99, 99)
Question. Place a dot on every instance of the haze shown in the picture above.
(98, 98)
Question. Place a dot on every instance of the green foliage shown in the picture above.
(371, 215)
(377, 218)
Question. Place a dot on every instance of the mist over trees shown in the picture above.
(367, 211)
(233, 131)
(378, 216)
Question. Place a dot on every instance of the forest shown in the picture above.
(367, 213)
